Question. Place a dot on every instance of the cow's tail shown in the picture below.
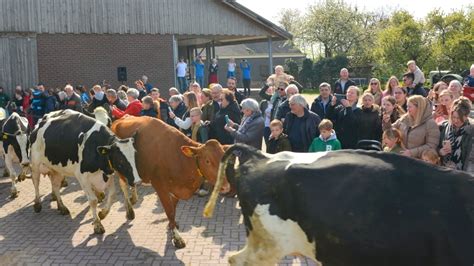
(211, 204)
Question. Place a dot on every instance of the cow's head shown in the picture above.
(121, 156)
(226, 168)
(15, 133)
(208, 157)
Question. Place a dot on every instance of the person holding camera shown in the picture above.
(346, 117)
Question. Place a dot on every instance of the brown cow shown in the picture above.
(173, 163)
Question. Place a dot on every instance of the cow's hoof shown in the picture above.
(63, 210)
(102, 214)
(6, 173)
(99, 229)
(178, 243)
(21, 178)
(14, 194)
(53, 197)
(130, 215)
(37, 207)
(64, 183)
(100, 197)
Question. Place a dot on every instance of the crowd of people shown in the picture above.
(432, 125)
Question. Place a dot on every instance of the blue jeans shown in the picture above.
(183, 84)
(200, 80)
(230, 74)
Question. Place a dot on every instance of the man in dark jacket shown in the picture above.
(322, 102)
(413, 89)
(113, 99)
(301, 125)
(232, 86)
(344, 82)
(72, 100)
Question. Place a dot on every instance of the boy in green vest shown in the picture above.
(327, 141)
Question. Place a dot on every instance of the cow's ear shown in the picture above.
(103, 150)
(226, 147)
(189, 151)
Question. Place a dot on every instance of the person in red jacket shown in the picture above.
(134, 105)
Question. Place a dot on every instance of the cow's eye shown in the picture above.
(208, 162)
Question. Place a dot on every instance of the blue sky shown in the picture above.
(269, 8)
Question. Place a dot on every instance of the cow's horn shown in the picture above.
(211, 204)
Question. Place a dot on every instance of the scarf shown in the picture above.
(455, 138)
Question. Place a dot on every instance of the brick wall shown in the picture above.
(90, 58)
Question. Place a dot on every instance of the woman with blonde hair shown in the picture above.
(376, 90)
(420, 131)
(392, 83)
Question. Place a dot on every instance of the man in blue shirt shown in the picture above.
(246, 78)
(199, 69)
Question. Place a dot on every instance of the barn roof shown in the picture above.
(222, 21)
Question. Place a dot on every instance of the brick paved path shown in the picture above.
(47, 238)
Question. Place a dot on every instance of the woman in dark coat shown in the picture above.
(370, 125)
(229, 107)
(346, 118)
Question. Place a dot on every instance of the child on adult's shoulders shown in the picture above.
(327, 140)
(469, 81)
(419, 75)
(278, 141)
(393, 141)
(148, 107)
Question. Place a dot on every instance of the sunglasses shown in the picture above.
(374, 83)
(281, 89)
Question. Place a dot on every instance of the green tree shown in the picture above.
(451, 37)
(335, 25)
(292, 68)
(400, 41)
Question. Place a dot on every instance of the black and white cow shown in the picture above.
(69, 143)
(14, 140)
(349, 208)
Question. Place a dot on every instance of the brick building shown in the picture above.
(85, 42)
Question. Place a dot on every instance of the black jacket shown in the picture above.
(309, 129)
(338, 87)
(96, 103)
(276, 101)
(370, 126)
(179, 112)
(217, 130)
(318, 107)
(239, 96)
(120, 104)
(346, 121)
(418, 90)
